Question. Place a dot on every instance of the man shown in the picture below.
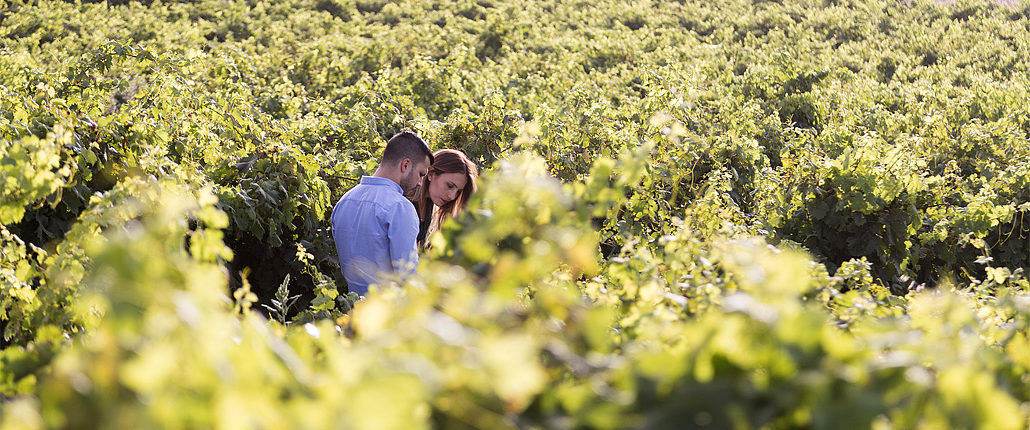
(374, 224)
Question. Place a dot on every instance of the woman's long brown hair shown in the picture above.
(446, 161)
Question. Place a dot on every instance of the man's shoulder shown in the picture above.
(357, 190)
(399, 203)
(364, 193)
(372, 195)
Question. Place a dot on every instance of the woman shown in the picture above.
(445, 191)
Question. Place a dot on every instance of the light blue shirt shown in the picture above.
(375, 227)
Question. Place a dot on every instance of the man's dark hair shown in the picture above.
(406, 145)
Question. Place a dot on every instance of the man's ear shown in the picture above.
(404, 165)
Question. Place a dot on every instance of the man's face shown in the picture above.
(411, 179)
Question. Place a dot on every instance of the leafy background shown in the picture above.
(769, 214)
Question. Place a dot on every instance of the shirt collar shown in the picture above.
(376, 181)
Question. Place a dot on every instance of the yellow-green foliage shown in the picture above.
(730, 214)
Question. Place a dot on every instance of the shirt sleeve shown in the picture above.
(402, 232)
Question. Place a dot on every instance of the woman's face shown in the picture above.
(445, 187)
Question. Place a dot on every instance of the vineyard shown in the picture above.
(735, 214)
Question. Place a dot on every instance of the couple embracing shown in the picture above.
(380, 224)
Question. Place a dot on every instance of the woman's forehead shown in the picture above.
(458, 179)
